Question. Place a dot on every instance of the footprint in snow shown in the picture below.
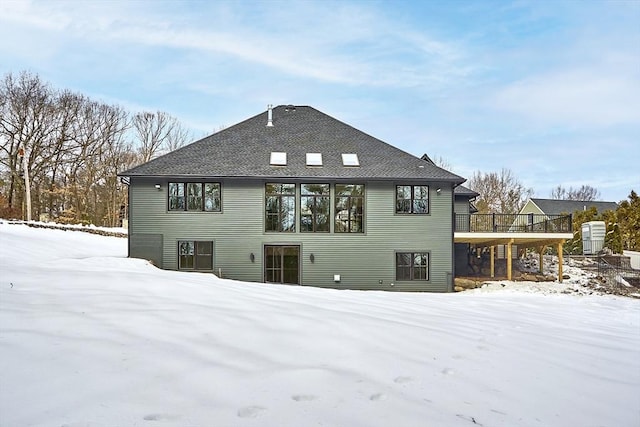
(251, 411)
(448, 371)
(83, 424)
(378, 396)
(304, 397)
(159, 417)
(402, 380)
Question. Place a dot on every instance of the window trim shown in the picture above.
(280, 195)
(412, 266)
(412, 199)
(314, 215)
(336, 196)
(282, 268)
(185, 185)
(195, 255)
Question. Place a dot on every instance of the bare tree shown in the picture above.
(26, 126)
(157, 133)
(585, 193)
(500, 192)
(60, 152)
(442, 162)
(92, 178)
(179, 138)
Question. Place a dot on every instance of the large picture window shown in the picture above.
(194, 196)
(195, 255)
(314, 208)
(349, 207)
(412, 266)
(280, 207)
(412, 199)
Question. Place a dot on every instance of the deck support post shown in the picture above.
(560, 261)
(509, 261)
(493, 261)
(541, 251)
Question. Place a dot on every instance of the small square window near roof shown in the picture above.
(314, 159)
(350, 159)
(278, 158)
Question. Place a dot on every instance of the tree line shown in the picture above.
(60, 151)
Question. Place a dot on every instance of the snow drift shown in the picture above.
(91, 338)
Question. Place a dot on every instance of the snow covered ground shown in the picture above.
(90, 338)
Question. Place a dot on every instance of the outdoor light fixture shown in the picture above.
(312, 258)
(439, 190)
(252, 257)
(158, 187)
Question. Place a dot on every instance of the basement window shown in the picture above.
(412, 266)
(194, 255)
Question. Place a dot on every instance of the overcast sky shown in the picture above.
(548, 89)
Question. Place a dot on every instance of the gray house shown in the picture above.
(295, 196)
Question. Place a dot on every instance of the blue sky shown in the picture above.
(548, 89)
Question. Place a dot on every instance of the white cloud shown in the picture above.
(597, 95)
(27, 13)
(349, 44)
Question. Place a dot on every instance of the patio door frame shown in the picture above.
(279, 265)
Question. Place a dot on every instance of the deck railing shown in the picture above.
(513, 223)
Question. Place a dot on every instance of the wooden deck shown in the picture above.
(524, 231)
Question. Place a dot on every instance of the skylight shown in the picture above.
(314, 159)
(278, 158)
(350, 159)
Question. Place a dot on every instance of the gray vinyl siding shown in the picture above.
(461, 205)
(362, 260)
(461, 250)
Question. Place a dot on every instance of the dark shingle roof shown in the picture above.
(243, 150)
(556, 207)
(461, 190)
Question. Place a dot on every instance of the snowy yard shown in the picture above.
(90, 338)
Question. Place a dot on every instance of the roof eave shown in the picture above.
(453, 181)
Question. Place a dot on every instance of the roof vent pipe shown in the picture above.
(269, 115)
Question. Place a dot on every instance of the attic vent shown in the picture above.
(290, 108)
(350, 159)
(314, 159)
(278, 158)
